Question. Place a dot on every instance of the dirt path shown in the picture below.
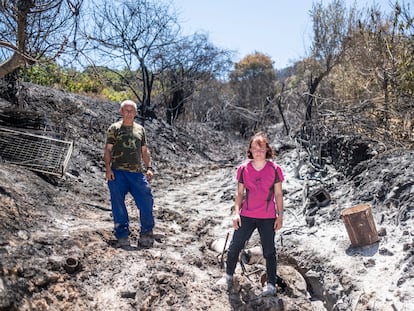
(180, 270)
(45, 225)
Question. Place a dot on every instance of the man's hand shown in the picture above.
(149, 174)
(110, 174)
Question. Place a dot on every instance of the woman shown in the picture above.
(258, 204)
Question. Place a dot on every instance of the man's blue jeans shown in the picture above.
(137, 185)
(267, 239)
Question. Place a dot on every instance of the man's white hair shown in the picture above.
(129, 102)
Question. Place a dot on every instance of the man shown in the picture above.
(126, 146)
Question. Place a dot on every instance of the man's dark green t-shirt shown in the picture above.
(127, 142)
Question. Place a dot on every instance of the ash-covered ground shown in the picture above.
(58, 251)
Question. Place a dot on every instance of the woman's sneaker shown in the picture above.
(269, 290)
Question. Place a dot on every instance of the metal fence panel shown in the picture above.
(36, 152)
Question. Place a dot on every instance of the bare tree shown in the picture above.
(188, 63)
(131, 35)
(380, 60)
(34, 29)
(253, 81)
(331, 26)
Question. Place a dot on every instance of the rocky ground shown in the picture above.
(58, 251)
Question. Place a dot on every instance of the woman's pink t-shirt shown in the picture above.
(258, 184)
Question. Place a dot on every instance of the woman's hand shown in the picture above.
(236, 221)
(278, 223)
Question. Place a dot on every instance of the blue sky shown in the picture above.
(280, 29)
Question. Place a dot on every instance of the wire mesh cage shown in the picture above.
(39, 153)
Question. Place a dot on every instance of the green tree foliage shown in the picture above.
(47, 73)
(93, 81)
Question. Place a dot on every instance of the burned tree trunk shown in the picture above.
(176, 106)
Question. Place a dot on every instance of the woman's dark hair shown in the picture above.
(261, 139)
